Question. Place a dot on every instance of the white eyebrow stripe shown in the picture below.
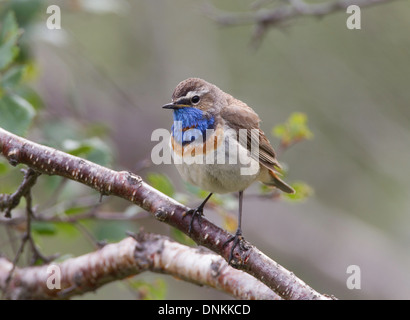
(190, 94)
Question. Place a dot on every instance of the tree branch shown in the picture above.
(131, 256)
(131, 187)
(9, 202)
(266, 18)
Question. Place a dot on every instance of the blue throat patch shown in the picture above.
(190, 118)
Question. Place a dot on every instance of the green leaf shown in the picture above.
(66, 228)
(77, 148)
(16, 114)
(131, 211)
(279, 131)
(43, 228)
(100, 153)
(264, 189)
(200, 193)
(3, 167)
(12, 76)
(302, 191)
(30, 95)
(112, 232)
(26, 11)
(192, 188)
(181, 237)
(8, 41)
(161, 182)
(294, 129)
(58, 130)
(9, 28)
(76, 210)
(93, 149)
(8, 52)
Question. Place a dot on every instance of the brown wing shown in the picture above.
(240, 116)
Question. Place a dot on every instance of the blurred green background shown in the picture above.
(98, 85)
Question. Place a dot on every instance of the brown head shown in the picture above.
(197, 93)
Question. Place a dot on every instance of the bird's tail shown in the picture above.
(278, 183)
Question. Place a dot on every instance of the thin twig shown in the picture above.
(30, 215)
(24, 190)
(9, 202)
(264, 19)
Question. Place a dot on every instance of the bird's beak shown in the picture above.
(175, 105)
(170, 106)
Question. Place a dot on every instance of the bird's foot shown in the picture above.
(198, 212)
(237, 240)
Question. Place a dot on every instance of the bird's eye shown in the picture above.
(195, 99)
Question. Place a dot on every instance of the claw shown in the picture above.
(236, 239)
(198, 212)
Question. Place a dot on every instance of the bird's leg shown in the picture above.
(238, 234)
(199, 211)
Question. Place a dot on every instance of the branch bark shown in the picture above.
(264, 19)
(131, 187)
(131, 256)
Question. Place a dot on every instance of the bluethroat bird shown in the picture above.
(212, 135)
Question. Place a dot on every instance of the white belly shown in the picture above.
(229, 172)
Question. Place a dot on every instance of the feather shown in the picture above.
(238, 115)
